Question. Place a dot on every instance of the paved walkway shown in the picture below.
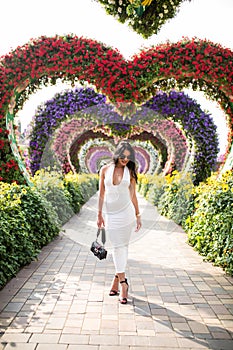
(61, 301)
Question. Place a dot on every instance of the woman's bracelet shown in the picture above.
(139, 214)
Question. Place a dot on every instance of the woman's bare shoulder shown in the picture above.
(105, 168)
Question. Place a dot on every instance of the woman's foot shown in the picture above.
(124, 291)
(115, 286)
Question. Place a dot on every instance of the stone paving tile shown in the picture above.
(15, 338)
(119, 347)
(176, 301)
(44, 338)
(193, 343)
(18, 346)
(51, 347)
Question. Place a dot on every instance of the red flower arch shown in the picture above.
(195, 62)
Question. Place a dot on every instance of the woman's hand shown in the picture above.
(100, 221)
(139, 223)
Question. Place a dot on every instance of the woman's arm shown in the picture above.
(134, 199)
(100, 219)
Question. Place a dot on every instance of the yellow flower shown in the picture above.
(225, 188)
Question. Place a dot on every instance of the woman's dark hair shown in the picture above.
(121, 147)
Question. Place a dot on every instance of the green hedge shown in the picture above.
(205, 211)
(25, 226)
(210, 227)
(30, 217)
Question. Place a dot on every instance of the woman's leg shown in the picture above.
(124, 288)
(120, 257)
(119, 238)
(115, 286)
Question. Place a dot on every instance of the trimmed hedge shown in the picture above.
(204, 211)
(30, 218)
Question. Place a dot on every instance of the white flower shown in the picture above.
(161, 15)
(120, 2)
(119, 9)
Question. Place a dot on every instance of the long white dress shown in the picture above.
(119, 216)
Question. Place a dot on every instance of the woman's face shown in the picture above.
(124, 157)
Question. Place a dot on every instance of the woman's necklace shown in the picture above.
(118, 170)
(118, 173)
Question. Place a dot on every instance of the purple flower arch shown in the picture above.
(98, 155)
(71, 131)
(97, 151)
(158, 146)
(175, 105)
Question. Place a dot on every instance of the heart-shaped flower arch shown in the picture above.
(72, 129)
(96, 152)
(153, 147)
(175, 106)
(187, 62)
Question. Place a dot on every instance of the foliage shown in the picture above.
(66, 194)
(172, 194)
(156, 188)
(145, 17)
(30, 218)
(174, 203)
(27, 222)
(204, 211)
(81, 187)
(51, 186)
(209, 227)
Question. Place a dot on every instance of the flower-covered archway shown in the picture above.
(187, 63)
(175, 106)
(70, 132)
(96, 152)
(154, 148)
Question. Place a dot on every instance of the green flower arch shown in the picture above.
(195, 63)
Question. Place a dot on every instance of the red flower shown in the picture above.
(1, 144)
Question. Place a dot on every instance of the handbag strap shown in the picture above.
(103, 238)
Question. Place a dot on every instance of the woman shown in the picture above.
(117, 197)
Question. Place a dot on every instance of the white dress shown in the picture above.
(119, 216)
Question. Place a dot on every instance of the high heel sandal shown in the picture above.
(124, 300)
(114, 292)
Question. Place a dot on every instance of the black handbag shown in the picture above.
(97, 248)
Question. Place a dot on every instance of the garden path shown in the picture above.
(61, 301)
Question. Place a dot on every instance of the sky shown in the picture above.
(26, 19)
